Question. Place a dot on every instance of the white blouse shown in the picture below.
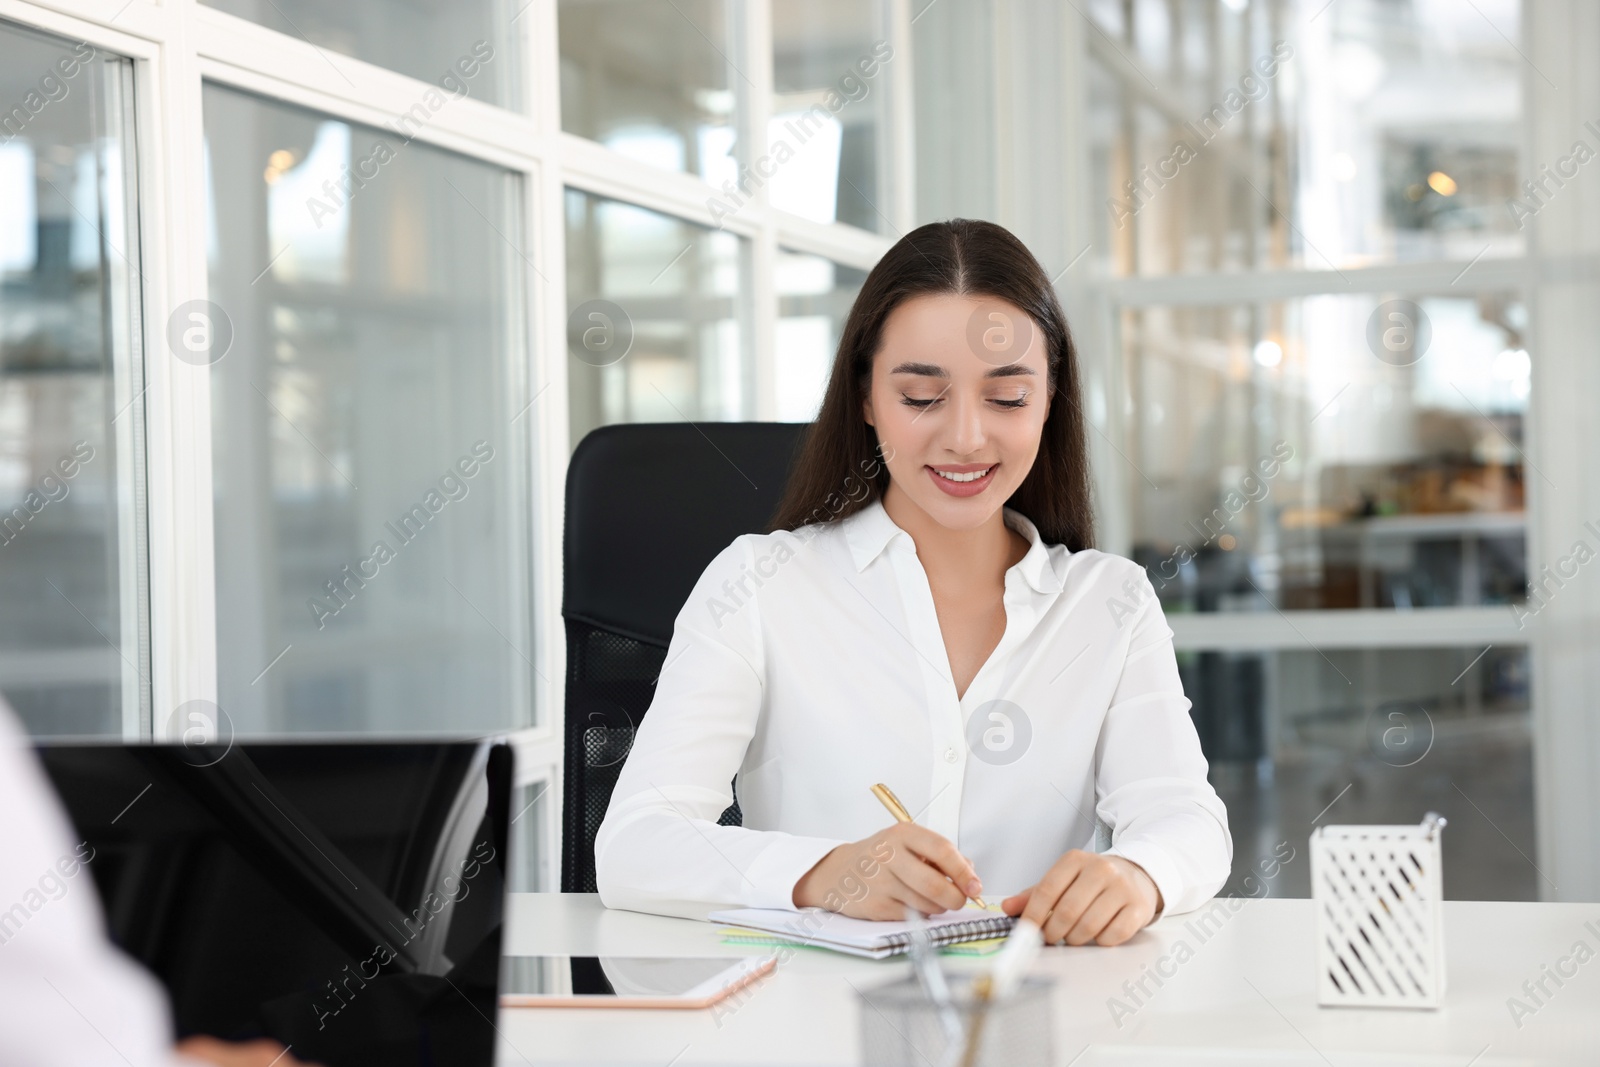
(809, 665)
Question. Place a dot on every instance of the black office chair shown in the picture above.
(648, 507)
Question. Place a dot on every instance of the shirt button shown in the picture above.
(950, 755)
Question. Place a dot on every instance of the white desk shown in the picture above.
(1246, 996)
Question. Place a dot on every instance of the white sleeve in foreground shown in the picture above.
(1150, 779)
(68, 997)
(660, 848)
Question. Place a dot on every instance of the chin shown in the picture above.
(957, 514)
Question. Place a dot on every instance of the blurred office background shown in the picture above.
(275, 275)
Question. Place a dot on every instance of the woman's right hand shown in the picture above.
(876, 878)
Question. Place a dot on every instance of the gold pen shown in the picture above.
(887, 798)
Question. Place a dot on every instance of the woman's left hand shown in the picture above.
(1087, 897)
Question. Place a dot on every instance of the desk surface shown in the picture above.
(1246, 995)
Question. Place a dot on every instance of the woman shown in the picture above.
(929, 613)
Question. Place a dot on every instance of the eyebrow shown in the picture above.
(933, 370)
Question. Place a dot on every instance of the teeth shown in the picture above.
(973, 476)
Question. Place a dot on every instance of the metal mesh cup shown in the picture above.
(900, 1026)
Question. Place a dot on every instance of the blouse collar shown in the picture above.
(870, 530)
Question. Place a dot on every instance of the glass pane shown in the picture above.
(466, 47)
(653, 81)
(827, 144)
(530, 853)
(958, 65)
(814, 298)
(655, 326)
(73, 648)
(1312, 136)
(1106, 149)
(1284, 456)
(372, 542)
(1299, 738)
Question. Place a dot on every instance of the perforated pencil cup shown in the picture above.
(901, 1027)
(1380, 935)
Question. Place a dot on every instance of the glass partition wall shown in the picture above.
(304, 306)
(1313, 307)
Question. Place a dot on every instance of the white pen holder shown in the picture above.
(1380, 933)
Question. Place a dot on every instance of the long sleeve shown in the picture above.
(660, 848)
(67, 996)
(1150, 781)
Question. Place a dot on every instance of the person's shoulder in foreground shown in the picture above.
(68, 997)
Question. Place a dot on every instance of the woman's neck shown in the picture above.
(958, 558)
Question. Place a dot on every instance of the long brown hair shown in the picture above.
(839, 472)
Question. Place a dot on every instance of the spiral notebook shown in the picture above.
(864, 937)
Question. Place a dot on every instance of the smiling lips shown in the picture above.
(962, 479)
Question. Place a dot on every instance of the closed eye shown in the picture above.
(1021, 401)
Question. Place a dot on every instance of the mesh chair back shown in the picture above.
(648, 507)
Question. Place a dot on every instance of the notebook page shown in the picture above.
(823, 925)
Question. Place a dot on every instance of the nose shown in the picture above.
(967, 433)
